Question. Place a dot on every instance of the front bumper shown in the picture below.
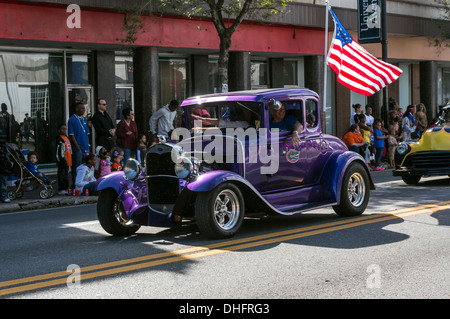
(409, 171)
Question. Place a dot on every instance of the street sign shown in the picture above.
(369, 21)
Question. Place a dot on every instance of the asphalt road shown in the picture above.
(397, 249)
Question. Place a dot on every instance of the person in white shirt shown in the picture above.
(368, 114)
(85, 174)
(163, 118)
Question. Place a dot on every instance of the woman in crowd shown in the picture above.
(127, 135)
(408, 123)
(421, 118)
(358, 110)
(354, 140)
(394, 114)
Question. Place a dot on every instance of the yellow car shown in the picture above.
(430, 156)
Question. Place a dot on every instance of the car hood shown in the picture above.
(435, 139)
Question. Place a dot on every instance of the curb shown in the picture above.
(18, 205)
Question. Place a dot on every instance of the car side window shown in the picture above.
(311, 113)
(294, 108)
(243, 112)
(223, 115)
(204, 113)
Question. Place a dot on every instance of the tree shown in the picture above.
(226, 16)
(442, 39)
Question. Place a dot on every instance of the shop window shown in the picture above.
(173, 75)
(294, 73)
(404, 83)
(124, 85)
(213, 76)
(124, 99)
(445, 86)
(290, 71)
(77, 68)
(259, 75)
(173, 79)
(124, 70)
(31, 94)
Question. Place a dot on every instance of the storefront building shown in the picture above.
(48, 62)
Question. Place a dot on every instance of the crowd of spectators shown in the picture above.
(375, 140)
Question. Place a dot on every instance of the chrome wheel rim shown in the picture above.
(226, 209)
(356, 190)
(120, 214)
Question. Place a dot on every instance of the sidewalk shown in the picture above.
(31, 200)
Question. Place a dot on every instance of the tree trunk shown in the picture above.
(225, 43)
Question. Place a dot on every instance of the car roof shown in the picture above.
(250, 95)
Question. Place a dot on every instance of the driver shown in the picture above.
(284, 123)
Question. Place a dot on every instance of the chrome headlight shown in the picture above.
(132, 169)
(402, 148)
(183, 167)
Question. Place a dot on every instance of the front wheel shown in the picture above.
(355, 191)
(220, 212)
(112, 216)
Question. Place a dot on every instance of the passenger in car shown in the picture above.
(233, 121)
(284, 123)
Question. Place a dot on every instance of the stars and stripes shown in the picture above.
(356, 68)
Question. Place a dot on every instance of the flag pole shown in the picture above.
(324, 100)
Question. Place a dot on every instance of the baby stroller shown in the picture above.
(26, 181)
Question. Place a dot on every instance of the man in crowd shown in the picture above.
(78, 130)
(163, 119)
(104, 126)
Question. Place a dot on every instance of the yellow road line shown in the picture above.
(212, 249)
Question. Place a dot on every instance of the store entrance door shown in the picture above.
(124, 99)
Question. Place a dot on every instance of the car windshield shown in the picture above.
(223, 114)
(446, 115)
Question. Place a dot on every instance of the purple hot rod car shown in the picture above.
(234, 157)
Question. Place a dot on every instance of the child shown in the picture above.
(85, 174)
(5, 168)
(104, 161)
(364, 129)
(32, 166)
(392, 143)
(142, 148)
(378, 143)
(63, 159)
(117, 156)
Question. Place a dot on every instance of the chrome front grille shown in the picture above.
(163, 187)
(429, 160)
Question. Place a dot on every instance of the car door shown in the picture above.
(314, 145)
(292, 171)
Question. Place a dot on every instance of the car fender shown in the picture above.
(334, 173)
(114, 180)
(210, 180)
(130, 192)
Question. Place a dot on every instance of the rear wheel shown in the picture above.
(355, 191)
(112, 215)
(220, 212)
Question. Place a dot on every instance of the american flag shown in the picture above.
(356, 68)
